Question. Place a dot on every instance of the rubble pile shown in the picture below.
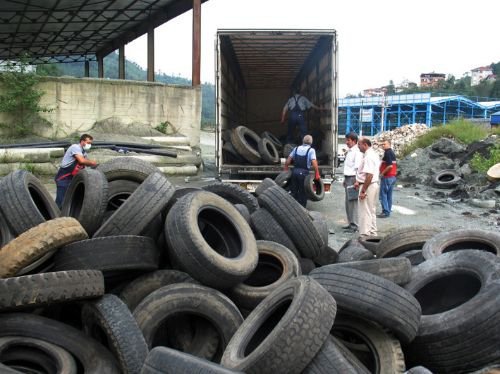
(399, 137)
(447, 155)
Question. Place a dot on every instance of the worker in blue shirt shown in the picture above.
(303, 158)
(297, 105)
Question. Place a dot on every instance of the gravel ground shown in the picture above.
(413, 204)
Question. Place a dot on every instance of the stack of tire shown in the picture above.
(244, 146)
(134, 275)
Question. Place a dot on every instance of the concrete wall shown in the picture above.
(78, 103)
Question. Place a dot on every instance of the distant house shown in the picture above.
(431, 79)
(370, 92)
(478, 74)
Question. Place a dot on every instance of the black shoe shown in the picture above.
(382, 215)
(348, 227)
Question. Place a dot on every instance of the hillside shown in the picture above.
(134, 72)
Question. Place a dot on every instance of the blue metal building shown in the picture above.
(495, 119)
(382, 113)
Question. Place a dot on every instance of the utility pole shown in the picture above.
(382, 114)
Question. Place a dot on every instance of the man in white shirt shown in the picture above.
(352, 162)
(367, 182)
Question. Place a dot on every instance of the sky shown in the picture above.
(379, 40)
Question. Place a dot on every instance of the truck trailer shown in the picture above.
(255, 73)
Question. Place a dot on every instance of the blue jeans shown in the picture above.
(386, 187)
(294, 119)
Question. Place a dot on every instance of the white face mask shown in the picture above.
(86, 147)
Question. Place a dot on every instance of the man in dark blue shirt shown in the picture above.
(303, 158)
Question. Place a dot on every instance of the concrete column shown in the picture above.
(151, 55)
(196, 43)
(87, 69)
(100, 66)
(121, 62)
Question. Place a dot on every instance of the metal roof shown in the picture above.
(273, 58)
(69, 31)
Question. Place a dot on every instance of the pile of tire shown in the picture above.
(134, 275)
(242, 145)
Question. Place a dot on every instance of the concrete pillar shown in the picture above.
(100, 66)
(196, 43)
(87, 69)
(151, 55)
(121, 62)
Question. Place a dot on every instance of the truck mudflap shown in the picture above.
(251, 185)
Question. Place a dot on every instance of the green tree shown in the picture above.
(19, 98)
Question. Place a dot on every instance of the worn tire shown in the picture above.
(25, 201)
(109, 319)
(377, 299)
(404, 239)
(268, 152)
(207, 304)
(264, 185)
(296, 317)
(93, 357)
(415, 256)
(458, 292)
(234, 194)
(267, 228)
(276, 265)
(170, 361)
(331, 359)
(111, 255)
(5, 233)
(454, 240)
(294, 220)
(210, 240)
(246, 141)
(377, 349)
(283, 179)
(36, 242)
(47, 288)
(135, 291)
(371, 243)
(269, 135)
(119, 190)
(86, 199)
(397, 269)
(354, 252)
(127, 168)
(287, 149)
(446, 179)
(28, 353)
(315, 190)
(140, 209)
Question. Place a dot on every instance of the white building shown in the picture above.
(478, 74)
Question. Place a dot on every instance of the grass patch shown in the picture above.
(462, 131)
(482, 164)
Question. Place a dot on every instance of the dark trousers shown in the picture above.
(297, 185)
(296, 119)
(62, 187)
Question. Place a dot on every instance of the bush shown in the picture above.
(19, 98)
(482, 164)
